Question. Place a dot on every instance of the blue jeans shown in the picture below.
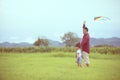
(79, 60)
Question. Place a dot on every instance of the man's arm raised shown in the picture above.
(84, 23)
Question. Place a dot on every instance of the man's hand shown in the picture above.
(84, 22)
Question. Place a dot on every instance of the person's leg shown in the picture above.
(83, 56)
(77, 61)
(80, 65)
(86, 58)
(80, 62)
(87, 65)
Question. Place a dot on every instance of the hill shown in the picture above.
(93, 41)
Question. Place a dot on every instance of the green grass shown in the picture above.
(57, 66)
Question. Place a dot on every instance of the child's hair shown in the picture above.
(77, 45)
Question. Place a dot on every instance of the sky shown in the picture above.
(26, 20)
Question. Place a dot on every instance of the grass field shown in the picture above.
(57, 66)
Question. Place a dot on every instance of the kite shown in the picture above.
(101, 18)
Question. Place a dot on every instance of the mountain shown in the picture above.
(55, 43)
(105, 41)
(25, 44)
(22, 44)
(93, 42)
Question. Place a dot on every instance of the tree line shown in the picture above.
(101, 50)
(70, 39)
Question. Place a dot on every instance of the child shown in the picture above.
(78, 55)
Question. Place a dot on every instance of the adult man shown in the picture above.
(85, 44)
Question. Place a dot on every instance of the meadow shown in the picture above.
(58, 66)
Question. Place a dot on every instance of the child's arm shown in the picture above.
(77, 56)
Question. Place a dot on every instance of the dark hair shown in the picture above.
(77, 45)
(86, 28)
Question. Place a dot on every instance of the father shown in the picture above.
(85, 44)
